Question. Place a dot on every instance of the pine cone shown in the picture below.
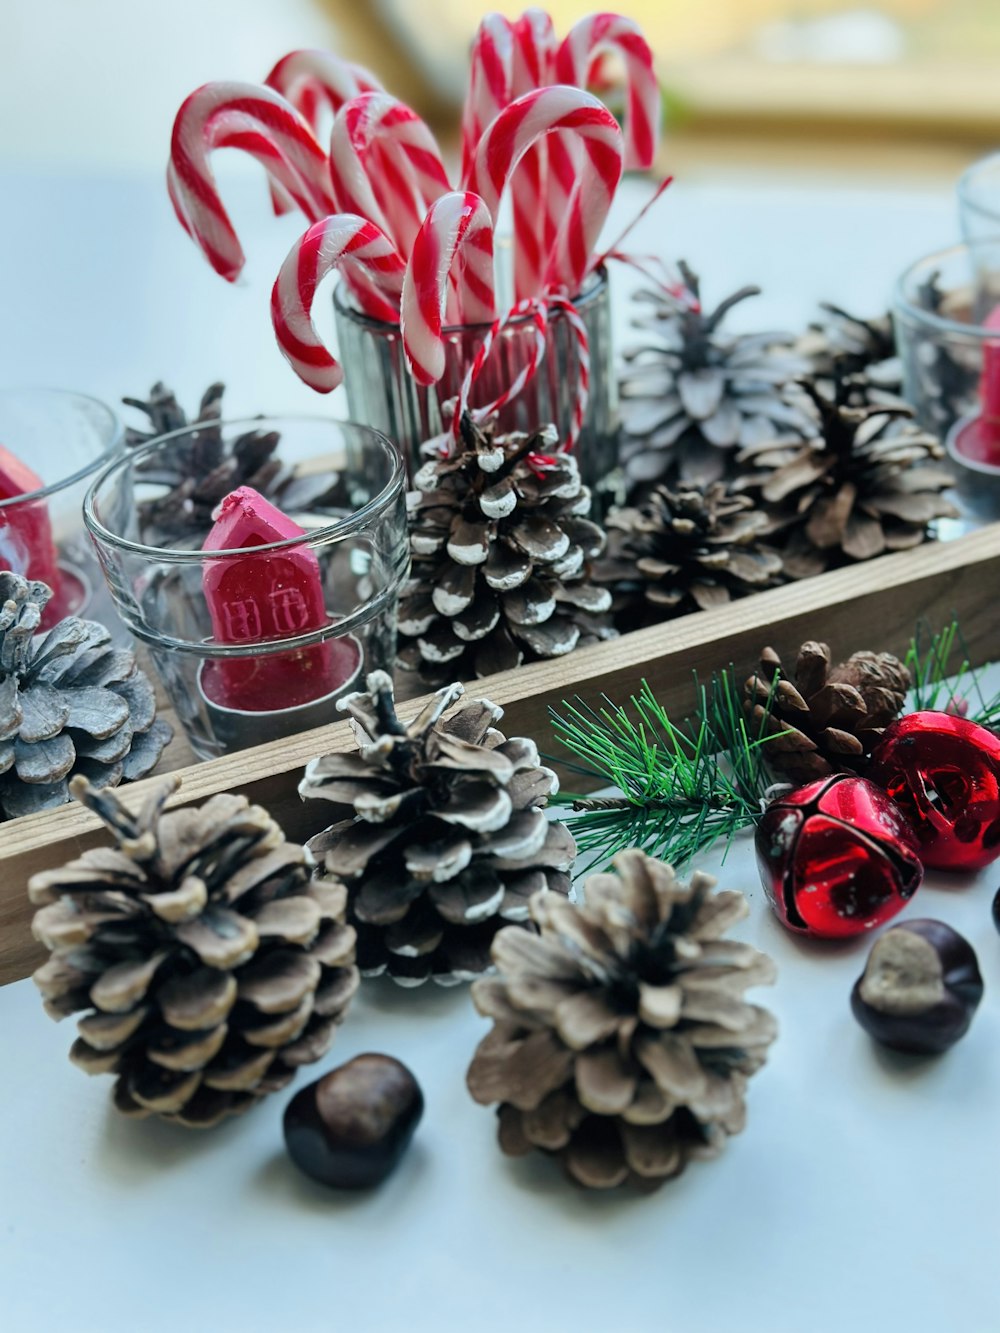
(500, 544)
(210, 967)
(693, 392)
(832, 717)
(860, 352)
(863, 484)
(70, 702)
(621, 1042)
(205, 467)
(684, 550)
(440, 836)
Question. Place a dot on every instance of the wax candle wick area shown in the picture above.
(258, 598)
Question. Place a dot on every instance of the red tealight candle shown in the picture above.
(26, 544)
(258, 598)
(977, 439)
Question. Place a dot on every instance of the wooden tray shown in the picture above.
(874, 605)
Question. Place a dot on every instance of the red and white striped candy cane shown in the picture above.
(491, 76)
(579, 57)
(535, 46)
(315, 82)
(385, 165)
(343, 241)
(454, 242)
(260, 122)
(521, 125)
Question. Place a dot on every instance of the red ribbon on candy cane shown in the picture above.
(538, 310)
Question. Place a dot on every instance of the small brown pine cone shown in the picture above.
(622, 1043)
(684, 550)
(867, 481)
(501, 544)
(860, 352)
(832, 716)
(440, 834)
(210, 968)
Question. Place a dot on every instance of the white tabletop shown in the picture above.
(861, 1196)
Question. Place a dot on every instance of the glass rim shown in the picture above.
(335, 531)
(902, 304)
(117, 435)
(966, 183)
(377, 606)
(597, 280)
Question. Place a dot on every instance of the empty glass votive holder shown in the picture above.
(979, 200)
(382, 392)
(52, 442)
(259, 640)
(946, 312)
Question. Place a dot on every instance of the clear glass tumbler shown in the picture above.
(381, 391)
(946, 311)
(260, 639)
(52, 442)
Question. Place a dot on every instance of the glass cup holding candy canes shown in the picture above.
(259, 624)
(52, 442)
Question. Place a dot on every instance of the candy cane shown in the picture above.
(261, 123)
(580, 54)
(524, 123)
(456, 233)
(535, 48)
(314, 81)
(385, 165)
(491, 77)
(343, 241)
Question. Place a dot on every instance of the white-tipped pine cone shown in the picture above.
(441, 836)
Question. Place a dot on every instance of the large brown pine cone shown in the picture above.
(864, 483)
(210, 968)
(684, 550)
(440, 834)
(71, 702)
(501, 545)
(622, 1043)
(832, 716)
(693, 394)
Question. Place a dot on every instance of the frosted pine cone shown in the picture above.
(210, 968)
(622, 1043)
(70, 703)
(441, 836)
(501, 547)
(693, 394)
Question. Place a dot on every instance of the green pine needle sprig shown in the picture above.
(684, 786)
(943, 678)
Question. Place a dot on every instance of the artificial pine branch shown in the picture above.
(684, 787)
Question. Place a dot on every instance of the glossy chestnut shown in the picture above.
(920, 988)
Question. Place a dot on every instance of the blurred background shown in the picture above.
(888, 85)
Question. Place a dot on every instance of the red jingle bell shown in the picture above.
(944, 774)
(836, 858)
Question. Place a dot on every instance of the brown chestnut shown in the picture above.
(350, 1128)
(996, 910)
(920, 988)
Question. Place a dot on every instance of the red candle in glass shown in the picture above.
(258, 598)
(26, 544)
(978, 439)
